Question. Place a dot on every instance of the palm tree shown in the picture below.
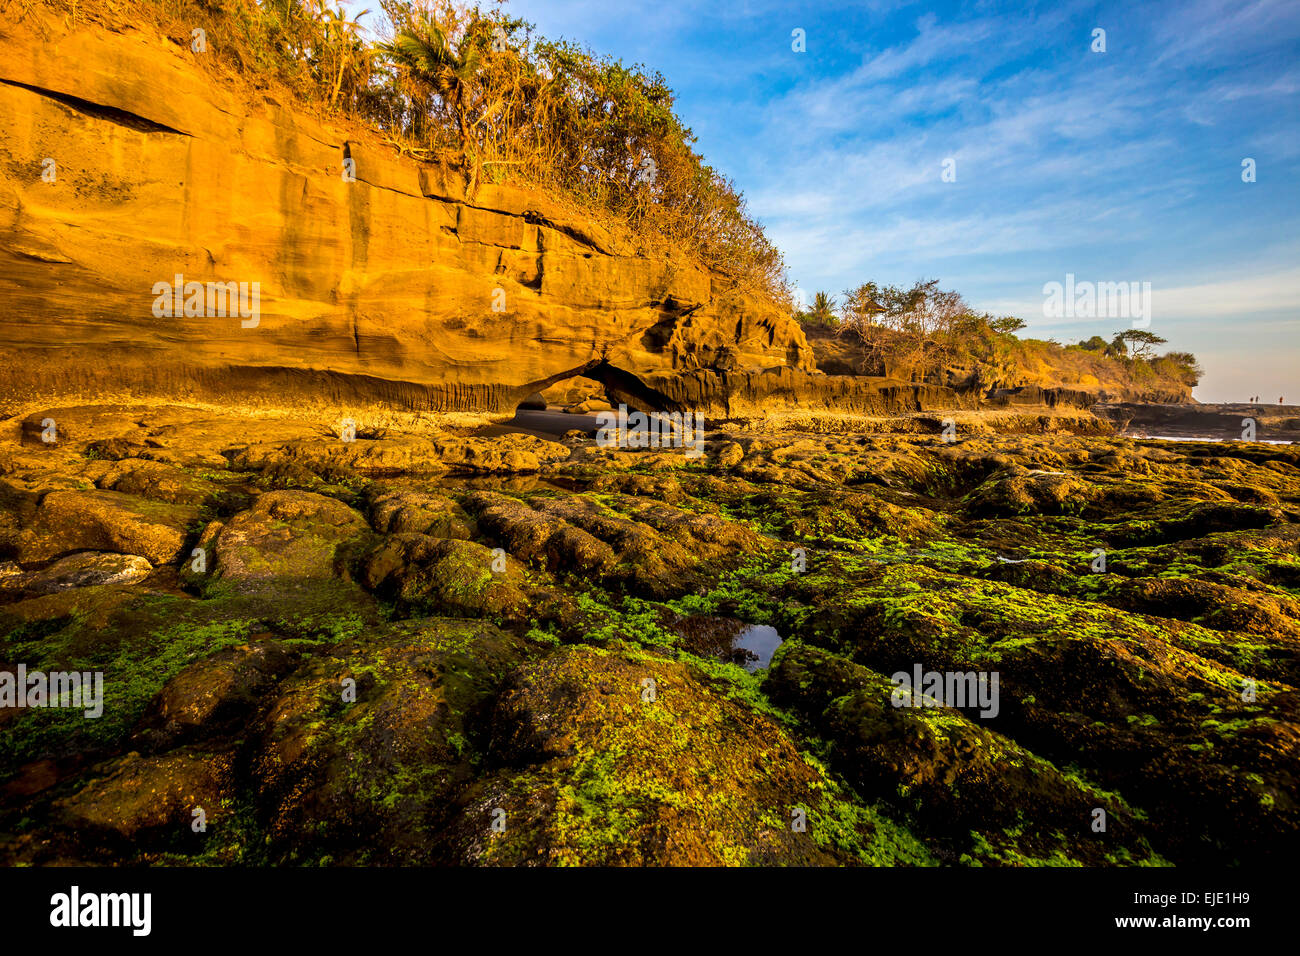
(342, 34)
(823, 309)
(423, 50)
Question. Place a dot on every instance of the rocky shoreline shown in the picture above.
(1223, 421)
(426, 644)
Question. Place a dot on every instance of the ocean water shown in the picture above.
(1257, 441)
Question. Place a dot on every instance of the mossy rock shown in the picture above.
(447, 576)
(70, 521)
(612, 757)
(971, 791)
(372, 779)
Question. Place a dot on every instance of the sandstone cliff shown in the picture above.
(127, 162)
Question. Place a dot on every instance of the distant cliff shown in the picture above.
(1010, 370)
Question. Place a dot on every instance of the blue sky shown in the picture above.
(1115, 166)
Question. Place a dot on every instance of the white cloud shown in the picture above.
(1228, 300)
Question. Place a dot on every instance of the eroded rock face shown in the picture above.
(87, 569)
(138, 797)
(106, 521)
(420, 512)
(378, 290)
(398, 288)
(447, 576)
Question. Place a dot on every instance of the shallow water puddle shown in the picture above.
(727, 639)
(761, 641)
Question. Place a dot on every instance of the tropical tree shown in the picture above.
(1180, 365)
(342, 51)
(422, 52)
(912, 327)
(822, 311)
(1139, 342)
(1007, 325)
(354, 54)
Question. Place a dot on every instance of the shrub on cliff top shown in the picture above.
(553, 114)
(925, 333)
